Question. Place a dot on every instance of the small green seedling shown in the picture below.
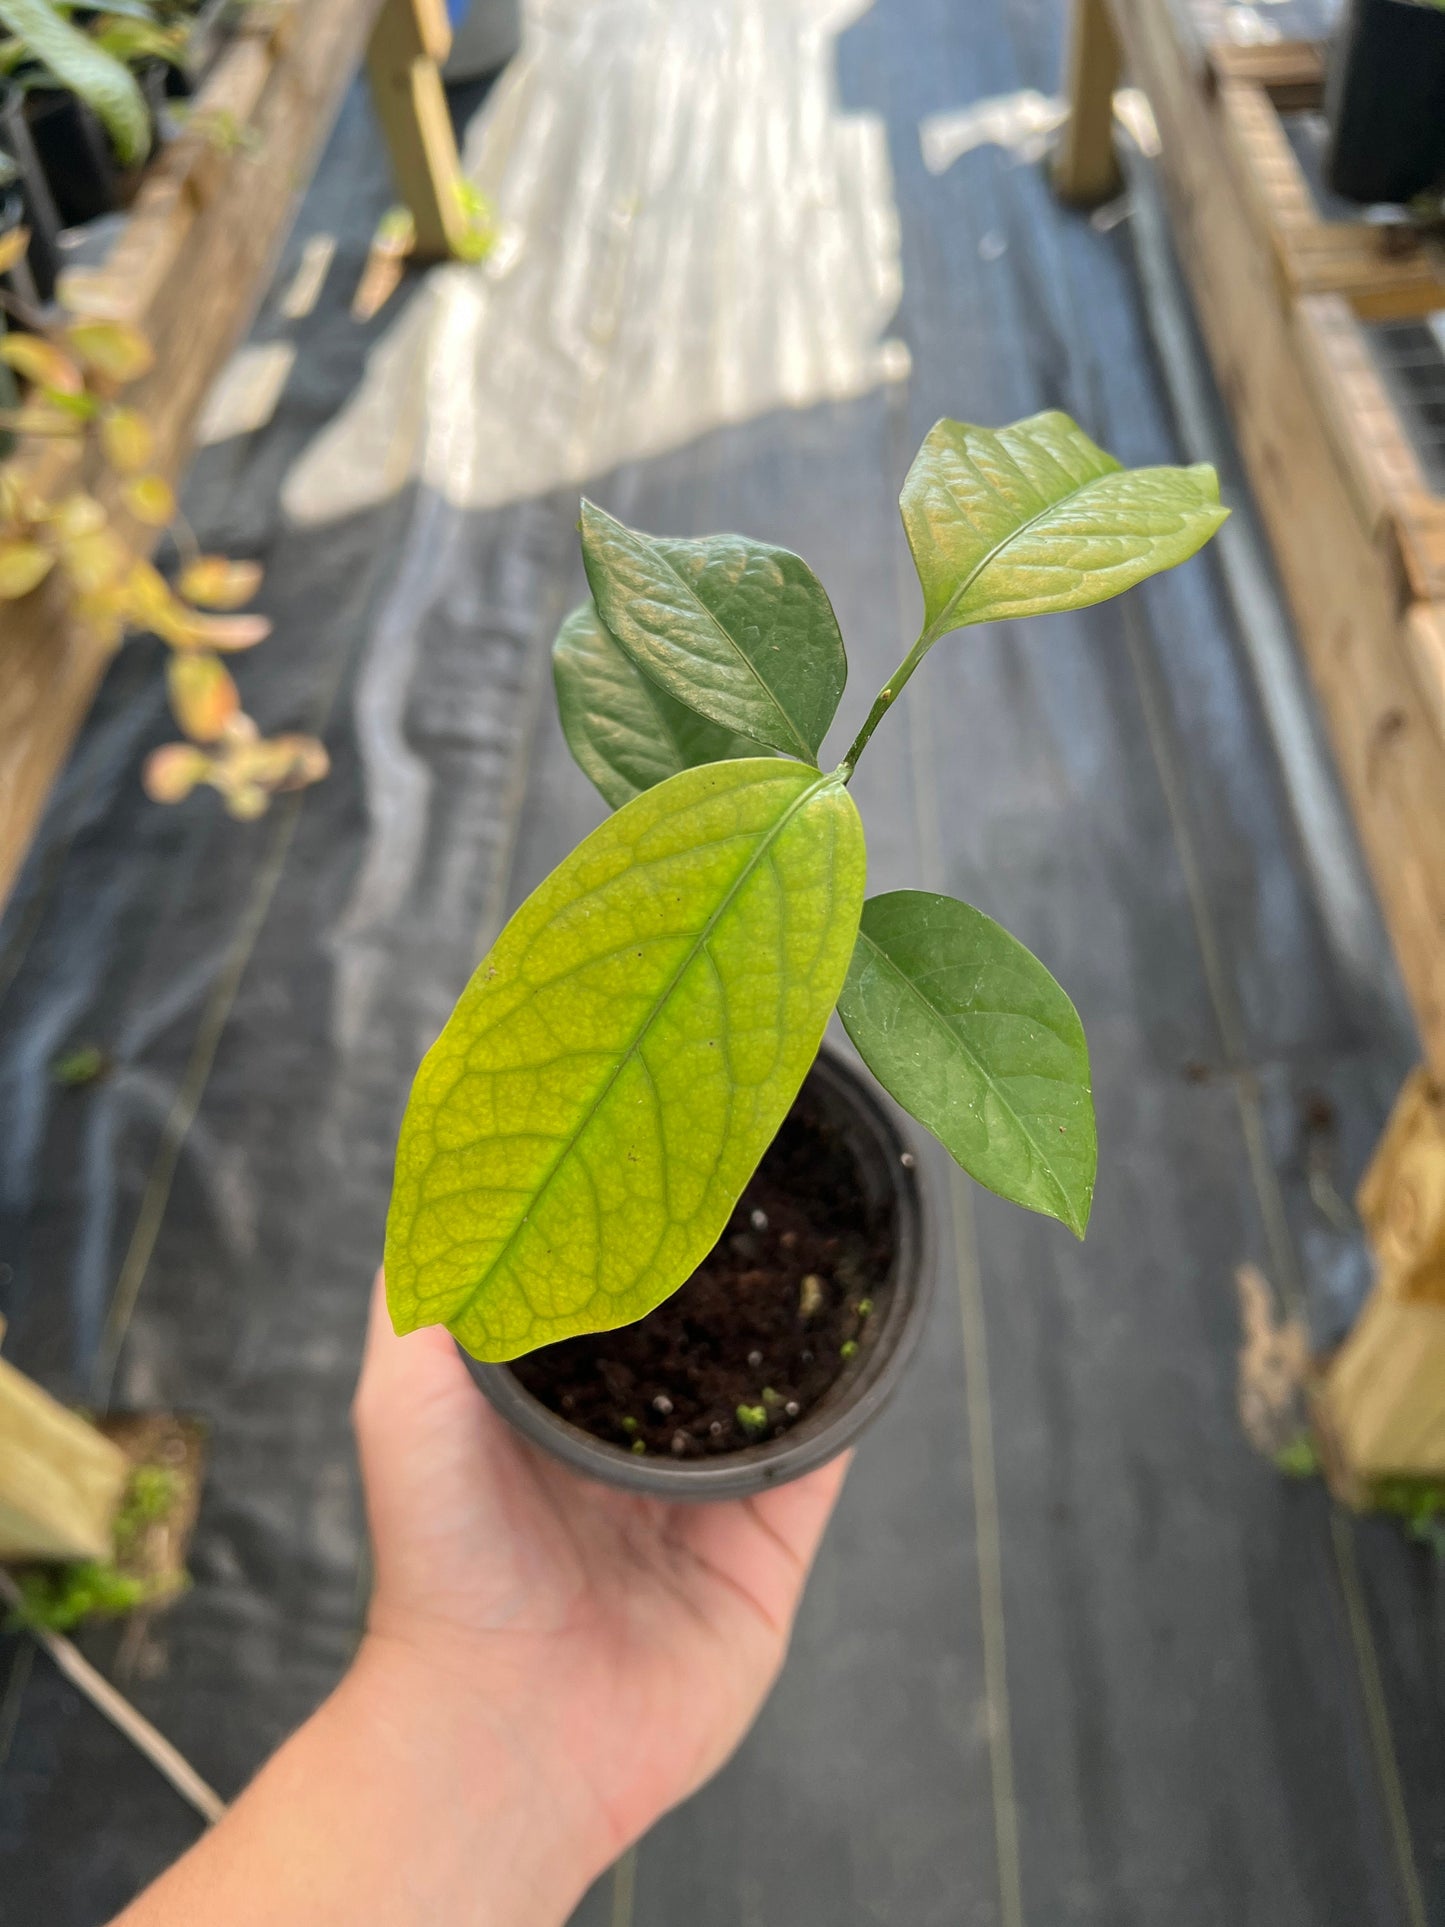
(580, 1132)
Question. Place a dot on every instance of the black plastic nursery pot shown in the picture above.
(84, 176)
(42, 257)
(831, 1297)
(1385, 101)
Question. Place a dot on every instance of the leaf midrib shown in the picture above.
(635, 1047)
(1062, 1196)
(941, 625)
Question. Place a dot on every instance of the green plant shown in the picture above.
(76, 375)
(579, 1133)
(61, 54)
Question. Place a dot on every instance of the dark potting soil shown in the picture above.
(761, 1330)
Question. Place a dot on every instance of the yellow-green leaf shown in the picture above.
(150, 499)
(1021, 520)
(75, 515)
(23, 567)
(203, 696)
(41, 363)
(94, 559)
(216, 582)
(579, 1133)
(112, 349)
(13, 247)
(126, 437)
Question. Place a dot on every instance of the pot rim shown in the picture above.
(851, 1403)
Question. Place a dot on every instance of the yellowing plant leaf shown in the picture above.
(203, 696)
(126, 438)
(76, 515)
(579, 1133)
(1020, 520)
(149, 499)
(225, 633)
(173, 771)
(216, 582)
(94, 560)
(23, 567)
(112, 349)
(38, 418)
(13, 246)
(41, 363)
(283, 762)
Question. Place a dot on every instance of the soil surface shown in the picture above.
(761, 1330)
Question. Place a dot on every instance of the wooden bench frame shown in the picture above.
(1281, 295)
(189, 267)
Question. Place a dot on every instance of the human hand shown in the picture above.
(616, 1648)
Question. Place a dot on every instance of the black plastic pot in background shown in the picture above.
(12, 216)
(80, 166)
(887, 1171)
(1385, 101)
(42, 259)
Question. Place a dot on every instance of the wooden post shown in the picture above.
(60, 1481)
(1382, 1403)
(1085, 169)
(409, 39)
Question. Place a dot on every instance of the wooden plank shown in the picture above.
(1402, 1197)
(1382, 1405)
(188, 268)
(60, 1481)
(1424, 642)
(1344, 577)
(401, 63)
(1086, 169)
(1374, 452)
(1387, 272)
(1291, 72)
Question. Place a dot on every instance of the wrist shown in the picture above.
(477, 1799)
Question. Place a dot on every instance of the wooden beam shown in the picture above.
(1382, 1403)
(1342, 569)
(410, 37)
(188, 268)
(1086, 169)
(60, 1481)
(1382, 1407)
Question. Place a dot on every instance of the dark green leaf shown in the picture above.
(625, 731)
(739, 631)
(976, 1040)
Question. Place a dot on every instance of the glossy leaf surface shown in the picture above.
(1023, 520)
(583, 1126)
(739, 631)
(625, 731)
(976, 1040)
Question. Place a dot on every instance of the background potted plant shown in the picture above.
(93, 83)
(580, 1136)
(1385, 100)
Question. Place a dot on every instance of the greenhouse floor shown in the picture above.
(1073, 1653)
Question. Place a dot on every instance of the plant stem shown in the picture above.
(882, 702)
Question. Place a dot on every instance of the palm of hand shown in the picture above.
(626, 1643)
